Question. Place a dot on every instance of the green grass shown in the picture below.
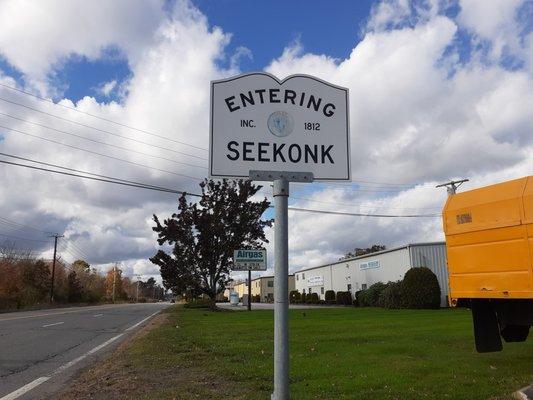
(336, 353)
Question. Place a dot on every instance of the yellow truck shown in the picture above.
(489, 244)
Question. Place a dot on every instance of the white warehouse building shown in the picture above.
(357, 273)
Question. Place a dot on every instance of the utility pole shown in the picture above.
(114, 280)
(138, 288)
(55, 236)
(452, 186)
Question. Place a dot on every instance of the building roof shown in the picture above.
(373, 254)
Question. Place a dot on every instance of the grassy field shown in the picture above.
(336, 353)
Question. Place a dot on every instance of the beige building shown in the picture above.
(262, 287)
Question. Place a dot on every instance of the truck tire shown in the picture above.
(486, 327)
(515, 333)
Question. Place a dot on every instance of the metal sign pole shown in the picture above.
(281, 301)
(249, 290)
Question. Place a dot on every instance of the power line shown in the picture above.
(98, 129)
(353, 204)
(198, 195)
(97, 179)
(100, 118)
(82, 172)
(25, 239)
(23, 225)
(16, 230)
(100, 142)
(363, 215)
(100, 154)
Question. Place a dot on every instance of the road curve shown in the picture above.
(40, 350)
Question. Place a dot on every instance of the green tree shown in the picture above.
(204, 235)
(361, 251)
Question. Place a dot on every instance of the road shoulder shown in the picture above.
(138, 369)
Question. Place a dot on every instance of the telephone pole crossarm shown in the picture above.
(452, 186)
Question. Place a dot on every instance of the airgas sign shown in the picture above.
(254, 260)
(299, 124)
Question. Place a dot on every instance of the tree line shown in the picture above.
(25, 281)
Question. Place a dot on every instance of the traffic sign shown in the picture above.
(298, 124)
(249, 260)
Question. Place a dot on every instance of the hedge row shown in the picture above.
(419, 289)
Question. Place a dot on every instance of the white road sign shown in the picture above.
(245, 260)
(299, 124)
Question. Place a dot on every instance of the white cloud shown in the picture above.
(496, 23)
(106, 88)
(38, 36)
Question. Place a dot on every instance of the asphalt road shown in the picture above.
(41, 350)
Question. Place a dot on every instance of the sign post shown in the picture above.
(249, 260)
(290, 130)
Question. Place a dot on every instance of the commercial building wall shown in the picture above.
(389, 265)
(262, 286)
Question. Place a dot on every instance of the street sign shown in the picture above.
(293, 130)
(298, 124)
(249, 260)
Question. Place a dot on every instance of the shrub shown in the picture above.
(420, 289)
(369, 297)
(256, 298)
(391, 296)
(199, 303)
(344, 298)
(303, 298)
(312, 298)
(294, 296)
(330, 296)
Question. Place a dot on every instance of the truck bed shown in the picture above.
(489, 241)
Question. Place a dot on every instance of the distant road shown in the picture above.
(40, 350)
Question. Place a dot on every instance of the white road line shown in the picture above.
(78, 309)
(78, 359)
(57, 323)
(24, 389)
(97, 315)
(140, 322)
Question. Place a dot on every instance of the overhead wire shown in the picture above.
(25, 239)
(198, 195)
(81, 171)
(99, 130)
(363, 214)
(24, 225)
(100, 142)
(101, 154)
(100, 118)
(95, 178)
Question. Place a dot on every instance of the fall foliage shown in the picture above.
(25, 282)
